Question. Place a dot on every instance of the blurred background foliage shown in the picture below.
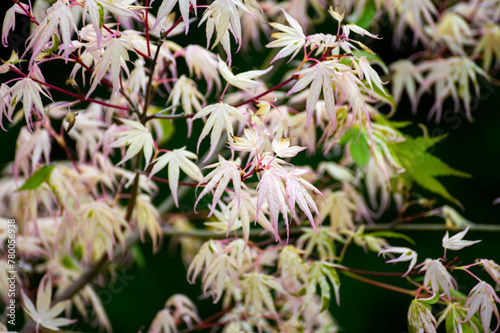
(141, 289)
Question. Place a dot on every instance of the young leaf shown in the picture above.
(360, 151)
(369, 14)
(219, 118)
(39, 176)
(423, 167)
(359, 146)
(430, 300)
(320, 274)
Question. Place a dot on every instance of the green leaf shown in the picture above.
(69, 262)
(401, 124)
(422, 167)
(368, 15)
(333, 276)
(140, 260)
(325, 293)
(168, 130)
(359, 145)
(55, 45)
(454, 320)
(391, 234)
(457, 294)
(348, 136)
(167, 127)
(433, 300)
(39, 176)
(383, 95)
(360, 150)
(433, 185)
(101, 15)
(392, 124)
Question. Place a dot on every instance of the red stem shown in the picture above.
(80, 97)
(266, 92)
(108, 29)
(90, 70)
(32, 18)
(363, 272)
(145, 56)
(173, 26)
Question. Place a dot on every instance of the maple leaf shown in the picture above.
(59, 17)
(321, 77)
(100, 221)
(451, 77)
(454, 316)
(253, 143)
(137, 138)
(438, 277)
(29, 92)
(225, 170)
(147, 218)
(30, 146)
(482, 298)
(257, 288)
(492, 268)
(291, 269)
(282, 148)
(218, 120)
(489, 45)
(202, 62)
(422, 13)
(406, 255)
(320, 274)
(223, 15)
(240, 212)
(420, 318)
(183, 309)
(114, 59)
(163, 322)
(358, 30)
(422, 167)
(405, 77)
(4, 104)
(272, 190)
(122, 8)
(242, 80)
(296, 192)
(184, 6)
(186, 93)
(43, 314)
(291, 38)
(201, 260)
(456, 243)
(453, 31)
(177, 159)
(93, 13)
(320, 240)
(214, 279)
(9, 20)
(365, 71)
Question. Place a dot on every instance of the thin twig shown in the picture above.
(149, 85)
(379, 284)
(80, 97)
(205, 234)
